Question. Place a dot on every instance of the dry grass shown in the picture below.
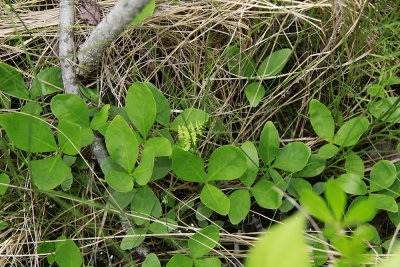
(182, 50)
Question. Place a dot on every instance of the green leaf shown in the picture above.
(215, 199)
(293, 157)
(69, 137)
(32, 108)
(49, 173)
(179, 260)
(327, 151)
(190, 115)
(120, 181)
(361, 212)
(239, 205)
(100, 118)
(315, 165)
(146, 12)
(274, 63)
(130, 242)
(165, 225)
(48, 81)
(28, 133)
(203, 212)
(144, 170)
(252, 160)
(203, 241)
(151, 261)
(383, 174)
(187, 166)
(68, 254)
(121, 200)
(300, 184)
(354, 164)
(87, 136)
(72, 108)
(395, 216)
(321, 120)
(162, 166)
(163, 115)
(336, 198)
(12, 83)
(108, 164)
(4, 179)
(269, 143)
(316, 206)
(254, 92)
(384, 202)
(90, 94)
(207, 262)
(393, 260)
(141, 107)
(226, 163)
(142, 204)
(352, 184)
(386, 109)
(266, 196)
(284, 246)
(240, 62)
(351, 131)
(122, 144)
(376, 90)
(161, 146)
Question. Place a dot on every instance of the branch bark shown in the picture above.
(109, 28)
(66, 47)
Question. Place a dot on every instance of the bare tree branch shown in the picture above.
(109, 28)
(66, 47)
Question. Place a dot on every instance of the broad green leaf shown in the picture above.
(68, 254)
(32, 108)
(144, 170)
(336, 198)
(327, 151)
(274, 63)
(203, 212)
(226, 163)
(376, 90)
(49, 173)
(269, 143)
(120, 181)
(215, 199)
(143, 203)
(179, 260)
(162, 166)
(121, 143)
(137, 238)
(100, 118)
(187, 166)
(189, 116)
(12, 83)
(354, 164)
(165, 225)
(141, 107)
(254, 92)
(363, 211)
(319, 188)
(278, 180)
(69, 137)
(315, 165)
(87, 136)
(284, 246)
(48, 81)
(395, 216)
(240, 205)
(161, 146)
(384, 202)
(351, 131)
(293, 157)
(286, 205)
(352, 184)
(393, 260)
(163, 115)
(252, 160)
(90, 94)
(121, 200)
(207, 262)
(386, 109)
(266, 196)
(72, 108)
(203, 241)
(47, 247)
(151, 261)
(383, 174)
(300, 185)
(28, 133)
(4, 179)
(319, 255)
(108, 164)
(146, 12)
(321, 120)
(316, 206)
(240, 62)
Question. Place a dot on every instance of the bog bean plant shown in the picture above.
(146, 143)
